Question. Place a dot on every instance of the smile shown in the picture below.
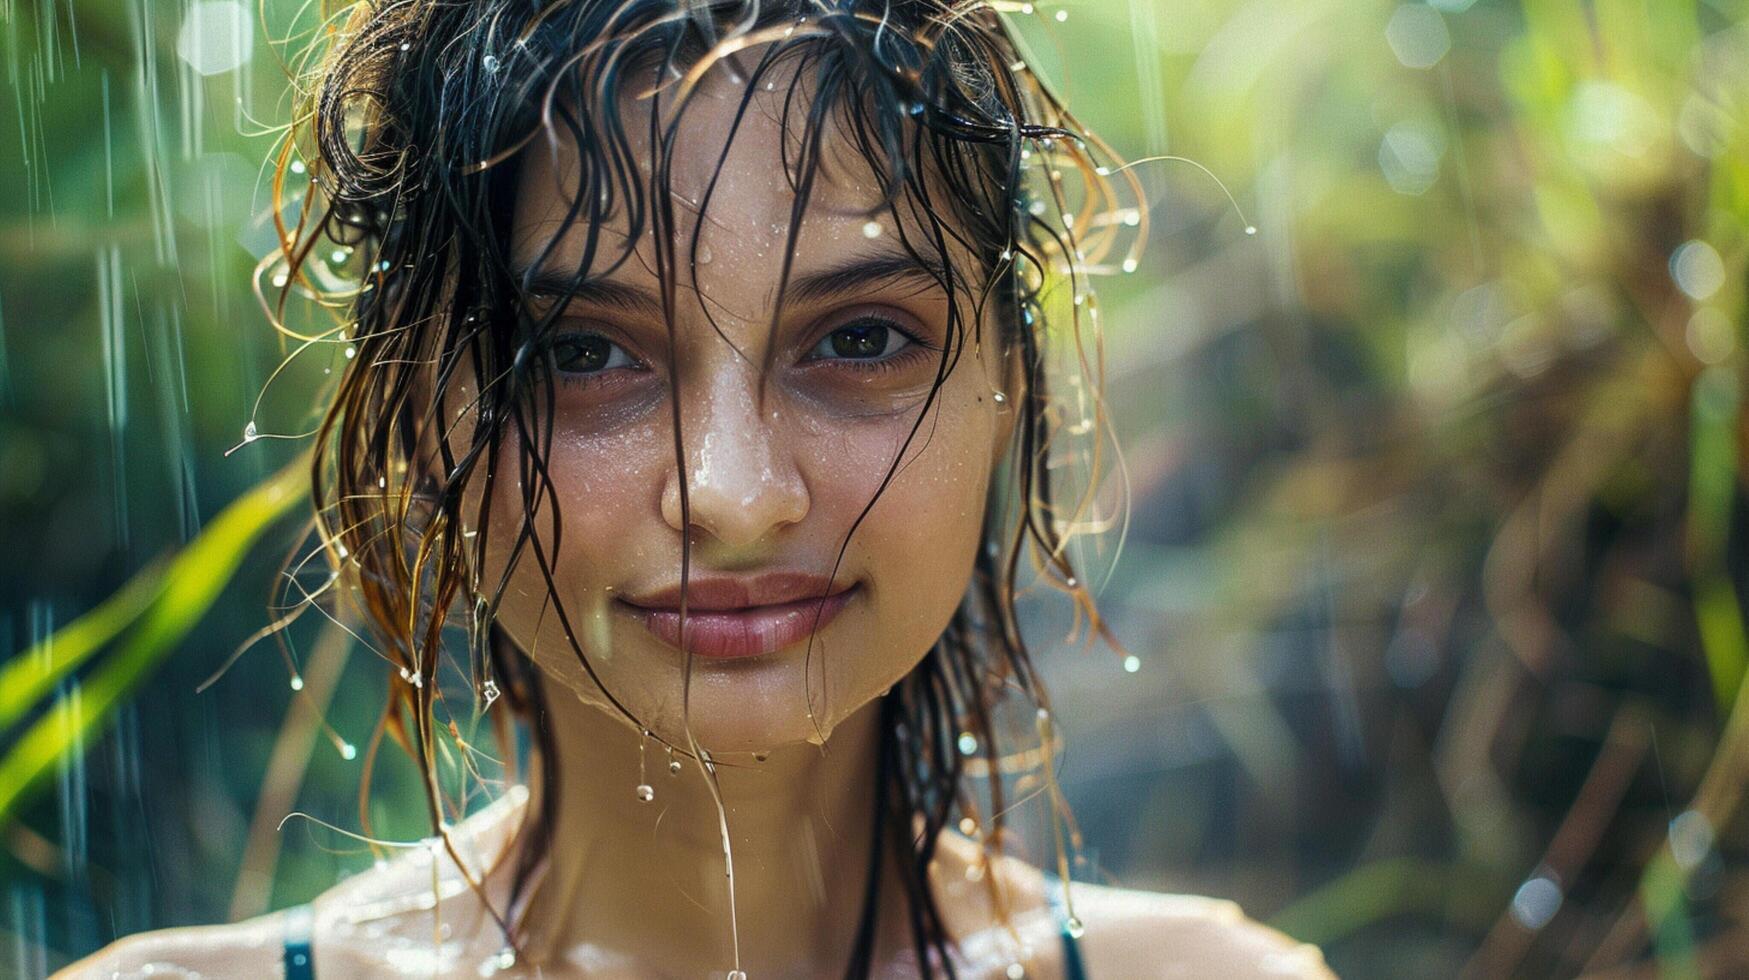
(743, 631)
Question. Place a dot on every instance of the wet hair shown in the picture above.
(412, 119)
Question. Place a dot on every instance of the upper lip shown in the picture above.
(722, 593)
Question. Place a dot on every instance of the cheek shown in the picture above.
(921, 537)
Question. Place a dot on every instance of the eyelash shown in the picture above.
(914, 346)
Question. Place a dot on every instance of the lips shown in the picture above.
(728, 618)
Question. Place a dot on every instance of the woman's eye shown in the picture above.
(868, 338)
(588, 353)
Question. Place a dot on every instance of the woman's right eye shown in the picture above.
(583, 354)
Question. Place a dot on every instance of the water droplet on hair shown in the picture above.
(1062, 15)
(968, 743)
(249, 433)
(1074, 928)
(348, 751)
(297, 166)
(1129, 265)
(1250, 229)
(489, 691)
(279, 279)
(1071, 581)
(297, 682)
(968, 826)
(489, 62)
(644, 793)
(737, 975)
(871, 229)
(405, 46)
(673, 767)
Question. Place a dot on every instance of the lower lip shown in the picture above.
(744, 633)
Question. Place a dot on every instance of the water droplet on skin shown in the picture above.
(999, 397)
(871, 229)
(645, 793)
(968, 826)
(761, 756)
(1062, 15)
(1016, 972)
(704, 255)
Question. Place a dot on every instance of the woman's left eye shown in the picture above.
(867, 338)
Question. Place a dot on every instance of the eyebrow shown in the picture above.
(855, 274)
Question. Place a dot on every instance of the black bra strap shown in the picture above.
(300, 961)
(1073, 968)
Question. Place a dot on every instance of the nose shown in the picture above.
(742, 480)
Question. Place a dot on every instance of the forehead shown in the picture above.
(731, 172)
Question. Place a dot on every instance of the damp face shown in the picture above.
(788, 436)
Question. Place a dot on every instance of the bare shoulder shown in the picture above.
(1127, 932)
(250, 948)
(384, 916)
(1134, 933)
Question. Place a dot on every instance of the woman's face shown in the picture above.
(779, 465)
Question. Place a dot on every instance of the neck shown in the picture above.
(642, 885)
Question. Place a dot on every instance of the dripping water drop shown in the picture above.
(645, 793)
(348, 751)
(1132, 663)
(297, 682)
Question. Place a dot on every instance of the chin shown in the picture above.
(760, 704)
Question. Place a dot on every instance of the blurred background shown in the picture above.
(1434, 576)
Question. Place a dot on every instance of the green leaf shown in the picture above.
(178, 598)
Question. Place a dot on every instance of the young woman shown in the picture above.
(697, 370)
